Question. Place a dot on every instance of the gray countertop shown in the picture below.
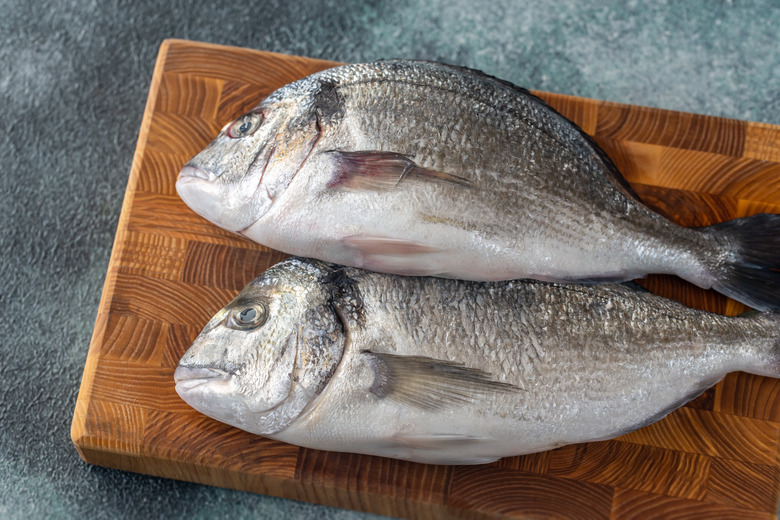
(73, 87)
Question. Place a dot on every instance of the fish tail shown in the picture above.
(748, 270)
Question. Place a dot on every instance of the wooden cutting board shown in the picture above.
(170, 271)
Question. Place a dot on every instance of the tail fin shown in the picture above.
(750, 272)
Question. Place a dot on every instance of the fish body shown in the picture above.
(420, 168)
(455, 372)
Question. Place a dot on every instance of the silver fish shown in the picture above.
(419, 168)
(456, 372)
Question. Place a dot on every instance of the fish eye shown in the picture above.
(248, 316)
(245, 125)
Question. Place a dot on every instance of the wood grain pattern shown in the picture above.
(637, 504)
(171, 270)
(630, 466)
(671, 129)
(500, 492)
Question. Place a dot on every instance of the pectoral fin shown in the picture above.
(375, 170)
(428, 383)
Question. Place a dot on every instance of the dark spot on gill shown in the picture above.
(345, 297)
(329, 102)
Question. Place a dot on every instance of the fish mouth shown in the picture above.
(194, 174)
(189, 378)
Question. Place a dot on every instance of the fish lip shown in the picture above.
(187, 378)
(191, 173)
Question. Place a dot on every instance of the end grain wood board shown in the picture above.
(170, 271)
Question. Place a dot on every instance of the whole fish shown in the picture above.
(456, 372)
(419, 168)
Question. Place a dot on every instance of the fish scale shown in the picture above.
(461, 372)
(420, 168)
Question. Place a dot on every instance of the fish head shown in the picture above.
(236, 179)
(268, 354)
